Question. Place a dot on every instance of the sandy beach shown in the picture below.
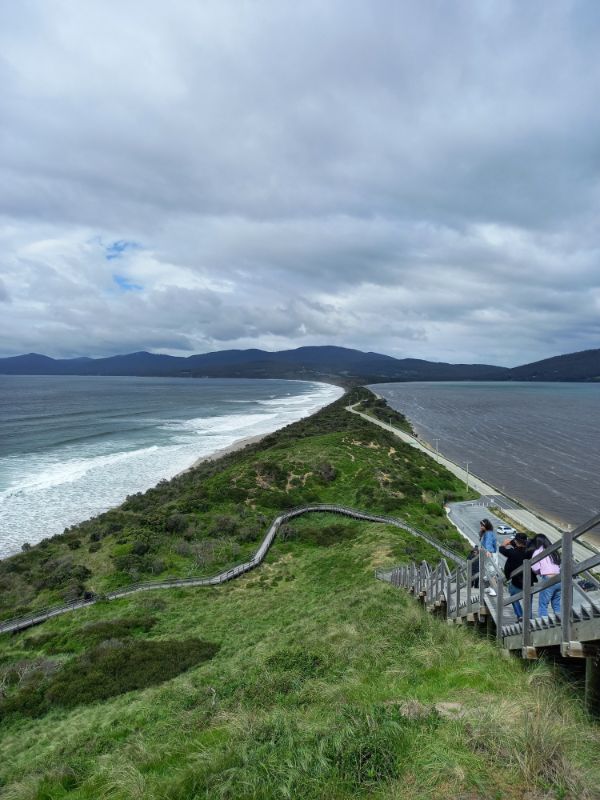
(224, 451)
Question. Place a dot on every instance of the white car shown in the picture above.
(505, 530)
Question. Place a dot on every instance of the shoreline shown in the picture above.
(522, 514)
(12, 546)
(239, 444)
(522, 492)
(544, 516)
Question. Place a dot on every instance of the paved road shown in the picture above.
(526, 519)
(466, 517)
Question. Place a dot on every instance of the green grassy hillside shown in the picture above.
(215, 515)
(307, 678)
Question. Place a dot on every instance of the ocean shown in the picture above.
(538, 442)
(72, 447)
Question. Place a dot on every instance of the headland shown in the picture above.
(306, 678)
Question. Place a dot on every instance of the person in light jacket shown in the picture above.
(489, 544)
(548, 567)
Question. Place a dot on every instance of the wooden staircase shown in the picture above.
(457, 593)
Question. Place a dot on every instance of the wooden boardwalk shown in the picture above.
(455, 592)
(41, 615)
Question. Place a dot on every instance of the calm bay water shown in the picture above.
(71, 447)
(540, 442)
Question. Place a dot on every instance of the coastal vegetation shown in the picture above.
(214, 515)
(306, 678)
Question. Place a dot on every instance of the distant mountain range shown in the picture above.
(339, 365)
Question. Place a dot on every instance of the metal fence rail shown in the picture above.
(459, 595)
(41, 615)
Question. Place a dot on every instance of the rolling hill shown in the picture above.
(333, 364)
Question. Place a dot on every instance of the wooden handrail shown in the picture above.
(499, 611)
(526, 604)
(573, 641)
(540, 557)
(585, 527)
(566, 595)
(35, 617)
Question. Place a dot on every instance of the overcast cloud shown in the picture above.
(416, 178)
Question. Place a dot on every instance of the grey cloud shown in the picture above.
(4, 296)
(285, 120)
(421, 179)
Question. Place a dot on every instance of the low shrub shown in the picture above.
(109, 669)
(324, 536)
(326, 472)
(434, 509)
(57, 573)
(176, 523)
(224, 525)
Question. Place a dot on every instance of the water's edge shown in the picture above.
(537, 443)
(52, 507)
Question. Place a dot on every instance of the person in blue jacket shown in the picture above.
(489, 545)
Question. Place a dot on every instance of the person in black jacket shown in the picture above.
(474, 557)
(515, 551)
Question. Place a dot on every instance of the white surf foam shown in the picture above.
(60, 473)
(50, 492)
(217, 425)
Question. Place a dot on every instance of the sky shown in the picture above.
(417, 178)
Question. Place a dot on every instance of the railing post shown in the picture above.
(499, 610)
(526, 641)
(469, 579)
(481, 571)
(457, 591)
(566, 590)
(448, 590)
